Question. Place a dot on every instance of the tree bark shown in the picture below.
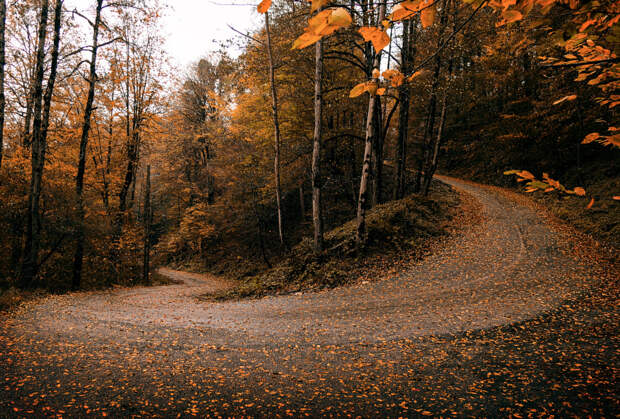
(403, 117)
(371, 133)
(39, 139)
(2, 60)
(79, 180)
(147, 218)
(432, 166)
(377, 154)
(302, 202)
(425, 152)
(276, 126)
(317, 181)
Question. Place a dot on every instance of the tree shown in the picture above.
(2, 60)
(79, 180)
(42, 104)
(276, 127)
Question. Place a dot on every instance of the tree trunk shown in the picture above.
(147, 217)
(425, 152)
(317, 181)
(371, 133)
(2, 102)
(39, 139)
(400, 172)
(302, 202)
(432, 166)
(377, 154)
(276, 126)
(79, 180)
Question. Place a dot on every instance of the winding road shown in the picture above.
(377, 347)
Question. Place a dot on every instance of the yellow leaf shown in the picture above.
(263, 6)
(340, 17)
(378, 37)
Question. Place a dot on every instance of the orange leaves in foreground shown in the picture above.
(408, 8)
(367, 86)
(610, 140)
(322, 24)
(547, 184)
(264, 6)
(378, 37)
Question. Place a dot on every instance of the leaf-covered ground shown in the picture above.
(518, 315)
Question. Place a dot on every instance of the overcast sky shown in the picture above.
(194, 27)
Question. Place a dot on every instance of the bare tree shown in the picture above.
(79, 180)
(276, 126)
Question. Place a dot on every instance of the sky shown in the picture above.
(194, 27)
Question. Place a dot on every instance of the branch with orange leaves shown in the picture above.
(547, 184)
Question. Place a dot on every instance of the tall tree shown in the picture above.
(2, 59)
(79, 180)
(147, 219)
(276, 127)
(317, 218)
(371, 134)
(42, 104)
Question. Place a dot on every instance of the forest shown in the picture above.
(361, 208)
(108, 150)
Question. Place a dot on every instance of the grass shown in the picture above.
(399, 229)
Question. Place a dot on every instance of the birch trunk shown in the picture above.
(317, 218)
(371, 133)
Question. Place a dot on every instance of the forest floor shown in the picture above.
(518, 315)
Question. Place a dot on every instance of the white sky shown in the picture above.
(195, 27)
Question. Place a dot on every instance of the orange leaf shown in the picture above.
(400, 12)
(427, 16)
(416, 74)
(565, 98)
(617, 198)
(340, 17)
(590, 204)
(317, 4)
(580, 191)
(378, 37)
(263, 6)
(358, 89)
(591, 137)
(306, 39)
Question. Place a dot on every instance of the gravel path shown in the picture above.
(159, 350)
